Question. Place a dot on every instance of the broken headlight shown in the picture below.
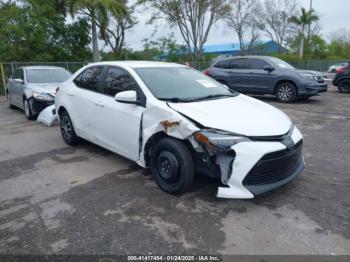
(42, 96)
(222, 141)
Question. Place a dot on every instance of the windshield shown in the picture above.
(47, 75)
(181, 84)
(280, 63)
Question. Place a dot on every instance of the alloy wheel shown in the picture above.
(285, 93)
(66, 128)
(26, 108)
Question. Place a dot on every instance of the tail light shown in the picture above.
(206, 72)
(340, 70)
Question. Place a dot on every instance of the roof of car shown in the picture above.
(246, 56)
(41, 67)
(139, 64)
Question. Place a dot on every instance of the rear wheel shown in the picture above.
(172, 166)
(9, 101)
(286, 92)
(27, 110)
(344, 86)
(67, 130)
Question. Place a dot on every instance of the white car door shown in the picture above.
(117, 123)
(82, 102)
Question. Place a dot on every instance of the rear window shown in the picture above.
(239, 63)
(256, 63)
(225, 64)
(47, 75)
(89, 78)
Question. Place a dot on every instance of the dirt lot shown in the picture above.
(86, 200)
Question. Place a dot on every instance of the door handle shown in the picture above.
(70, 94)
(99, 104)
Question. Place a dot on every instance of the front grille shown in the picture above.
(275, 166)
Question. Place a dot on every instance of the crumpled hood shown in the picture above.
(49, 88)
(240, 115)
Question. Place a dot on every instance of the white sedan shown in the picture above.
(179, 122)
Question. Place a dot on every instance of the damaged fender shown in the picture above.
(47, 116)
(160, 119)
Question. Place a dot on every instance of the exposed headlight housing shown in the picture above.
(42, 96)
(218, 140)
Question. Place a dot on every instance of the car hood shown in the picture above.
(240, 115)
(49, 88)
(310, 72)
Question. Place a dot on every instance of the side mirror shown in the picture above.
(18, 81)
(269, 68)
(129, 97)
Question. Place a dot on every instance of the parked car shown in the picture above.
(333, 68)
(342, 79)
(32, 88)
(267, 75)
(178, 121)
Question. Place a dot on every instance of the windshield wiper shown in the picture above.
(174, 99)
(212, 97)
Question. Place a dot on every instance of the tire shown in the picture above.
(344, 86)
(172, 166)
(286, 92)
(9, 101)
(27, 110)
(67, 130)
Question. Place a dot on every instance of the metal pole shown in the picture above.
(3, 78)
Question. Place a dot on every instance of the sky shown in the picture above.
(334, 14)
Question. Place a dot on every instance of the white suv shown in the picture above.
(179, 122)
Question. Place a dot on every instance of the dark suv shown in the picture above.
(342, 79)
(267, 75)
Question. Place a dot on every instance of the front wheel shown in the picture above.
(286, 92)
(344, 86)
(67, 130)
(28, 110)
(172, 166)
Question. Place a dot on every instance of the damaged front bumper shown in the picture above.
(47, 116)
(260, 166)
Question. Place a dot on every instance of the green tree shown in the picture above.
(304, 19)
(98, 13)
(33, 30)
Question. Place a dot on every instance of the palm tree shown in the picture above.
(98, 11)
(306, 18)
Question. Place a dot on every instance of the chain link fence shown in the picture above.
(7, 69)
(316, 65)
